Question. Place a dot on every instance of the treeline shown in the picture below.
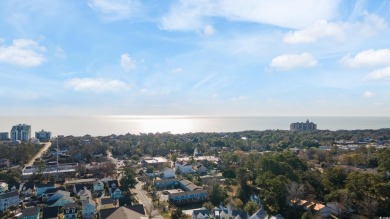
(282, 178)
(273, 140)
(19, 154)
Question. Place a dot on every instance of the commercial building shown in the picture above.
(43, 135)
(302, 126)
(4, 136)
(21, 132)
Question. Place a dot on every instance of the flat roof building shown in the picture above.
(21, 132)
(4, 136)
(43, 135)
(302, 126)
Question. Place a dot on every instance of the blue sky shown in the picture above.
(203, 57)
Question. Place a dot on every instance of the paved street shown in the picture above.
(39, 154)
(144, 199)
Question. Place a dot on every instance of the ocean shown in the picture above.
(107, 125)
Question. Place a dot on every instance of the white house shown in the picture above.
(27, 188)
(98, 186)
(88, 208)
(184, 167)
(85, 194)
(8, 199)
(3, 187)
(167, 173)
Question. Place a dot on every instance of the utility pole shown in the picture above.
(57, 160)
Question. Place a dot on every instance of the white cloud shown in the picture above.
(192, 15)
(208, 30)
(368, 94)
(127, 63)
(290, 61)
(177, 70)
(320, 29)
(115, 9)
(368, 58)
(23, 52)
(336, 30)
(95, 84)
(381, 74)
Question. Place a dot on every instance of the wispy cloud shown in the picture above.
(368, 94)
(96, 85)
(368, 58)
(193, 15)
(23, 52)
(204, 81)
(381, 74)
(115, 9)
(177, 70)
(290, 61)
(338, 31)
(127, 63)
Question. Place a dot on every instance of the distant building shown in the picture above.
(301, 126)
(4, 136)
(21, 132)
(43, 135)
(4, 162)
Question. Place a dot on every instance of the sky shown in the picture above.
(187, 57)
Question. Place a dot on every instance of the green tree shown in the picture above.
(217, 194)
(251, 207)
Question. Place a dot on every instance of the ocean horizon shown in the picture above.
(135, 124)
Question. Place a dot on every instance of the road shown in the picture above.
(39, 154)
(144, 199)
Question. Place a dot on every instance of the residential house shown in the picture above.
(50, 212)
(166, 183)
(106, 203)
(338, 209)
(14, 187)
(30, 213)
(187, 185)
(226, 213)
(320, 209)
(27, 189)
(201, 169)
(3, 187)
(4, 162)
(8, 199)
(124, 212)
(113, 188)
(278, 216)
(41, 188)
(77, 188)
(88, 208)
(167, 173)
(115, 193)
(260, 214)
(98, 186)
(70, 210)
(85, 194)
(155, 162)
(202, 213)
(49, 193)
(59, 194)
(62, 201)
(184, 167)
(188, 196)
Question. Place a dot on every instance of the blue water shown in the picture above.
(106, 125)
